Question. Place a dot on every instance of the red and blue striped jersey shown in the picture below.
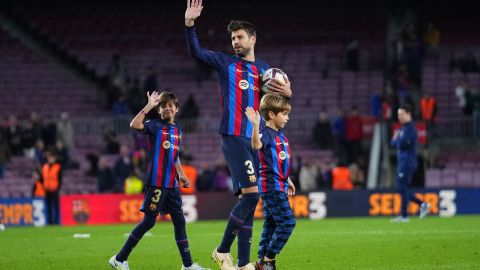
(164, 140)
(239, 85)
(274, 161)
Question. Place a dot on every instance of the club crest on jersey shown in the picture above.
(166, 144)
(282, 155)
(243, 84)
(252, 178)
(153, 207)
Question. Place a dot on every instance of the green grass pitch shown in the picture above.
(343, 243)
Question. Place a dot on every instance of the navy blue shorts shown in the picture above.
(242, 161)
(161, 200)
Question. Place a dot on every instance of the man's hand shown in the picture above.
(279, 87)
(291, 188)
(184, 181)
(252, 115)
(194, 9)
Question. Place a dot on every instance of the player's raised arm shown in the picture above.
(194, 9)
(213, 59)
(153, 100)
(254, 117)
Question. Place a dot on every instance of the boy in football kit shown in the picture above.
(162, 194)
(239, 81)
(274, 182)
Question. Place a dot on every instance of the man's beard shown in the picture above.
(243, 52)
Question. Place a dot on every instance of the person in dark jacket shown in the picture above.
(405, 141)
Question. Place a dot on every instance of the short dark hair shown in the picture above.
(166, 97)
(235, 25)
(406, 107)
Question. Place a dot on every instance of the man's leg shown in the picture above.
(245, 241)
(239, 214)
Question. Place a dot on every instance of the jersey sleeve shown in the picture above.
(264, 138)
(150, 127)
(211, 58)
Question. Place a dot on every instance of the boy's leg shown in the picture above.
(173, 206)
(268, 230)
(285, 223)
(146, 224)
(178, 220)
(154, 199)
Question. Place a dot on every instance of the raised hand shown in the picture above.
(252, 115)
(153, 99)
(194, 9)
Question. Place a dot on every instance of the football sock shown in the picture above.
(146, 224)
(181, 237)
(245, 241)
(239, 214)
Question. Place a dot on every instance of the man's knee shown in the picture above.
(148, 221)
(250, 200)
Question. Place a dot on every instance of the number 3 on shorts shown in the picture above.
(249, 165)
(156, 197)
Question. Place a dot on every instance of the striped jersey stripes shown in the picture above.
(164, 142)
(274, 166)
(239, 83)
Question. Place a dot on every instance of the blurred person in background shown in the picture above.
(308, 176)
(14, 136)
(65, 132)
(51, 176)
(462, 92)
(476, 112)
(354, 135)
(5, 154)
(322, 132)
(133, 184)
(105, 176)
(123, 168)
(405, 141)
(38, 190)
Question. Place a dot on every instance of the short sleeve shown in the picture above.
(149, 127)
(264, 138)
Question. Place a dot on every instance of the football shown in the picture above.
(269, 75)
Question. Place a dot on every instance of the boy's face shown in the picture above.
(280, 119)
(167, 111)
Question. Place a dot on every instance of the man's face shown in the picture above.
(403, 116)
(242, 43)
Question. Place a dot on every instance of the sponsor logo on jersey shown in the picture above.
(243, 84)
(166, 144)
